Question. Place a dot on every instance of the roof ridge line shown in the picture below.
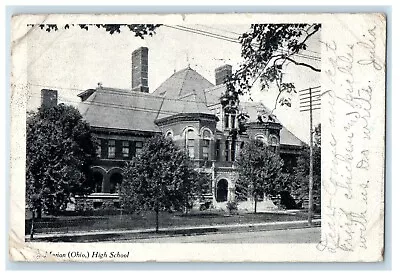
(183, 81)
(87, 106)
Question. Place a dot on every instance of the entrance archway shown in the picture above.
(115, 182)
(97, 182)
(222, 190)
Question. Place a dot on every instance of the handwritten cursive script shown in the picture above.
(370, 45)
(345, 187)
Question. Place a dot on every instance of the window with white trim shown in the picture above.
(189, 141)
(138, 148)
(206, 144)
(230, 119)
(125, 149)
(111, 148)
(169, 134)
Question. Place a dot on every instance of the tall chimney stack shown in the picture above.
(140, 68)
(222, 73)
(49, 98)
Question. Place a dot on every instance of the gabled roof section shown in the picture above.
(253, 109)
(121, 109)
(129, 110)
(182, 84)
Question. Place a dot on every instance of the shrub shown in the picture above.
(232, 207)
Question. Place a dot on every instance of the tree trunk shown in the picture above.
(157, 221)
(255, 204)
(187, 205)
(39, 212)
(32, 223)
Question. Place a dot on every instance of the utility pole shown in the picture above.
(310, 100)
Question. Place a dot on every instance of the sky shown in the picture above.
(74, 60)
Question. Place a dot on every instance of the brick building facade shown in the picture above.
(197, 114)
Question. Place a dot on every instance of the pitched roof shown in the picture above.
(121, 109)
(185, 105)
(288, 138)
(130, 110)
(254, 108)
(213, 94)
(182, 84)
(186, 91)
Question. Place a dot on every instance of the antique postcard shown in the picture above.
(197, 137)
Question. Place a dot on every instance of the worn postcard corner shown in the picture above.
(133, 136)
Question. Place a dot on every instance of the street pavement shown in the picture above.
(302, 235)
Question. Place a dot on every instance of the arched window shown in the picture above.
(169, 134)
(261, 138)
(189, 142)
(206, 144)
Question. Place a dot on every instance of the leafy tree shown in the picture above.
(301, 173)
(266, 49)
(160, 179)
(260, 172)
(59, 151)
(139, 30)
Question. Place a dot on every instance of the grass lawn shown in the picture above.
(65, 224)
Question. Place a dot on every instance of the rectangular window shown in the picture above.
(125, 149)
(190, 147)
(226, 150)
(138, 148)
(206, 149)
(98, 149)
(217, 150)
(233, 120)
(111, 148)
(226, 119)
(233, 150)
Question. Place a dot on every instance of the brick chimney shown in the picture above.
(222, 73)
(49, 98)
(140, 68)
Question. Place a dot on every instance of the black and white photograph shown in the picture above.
(199, 132)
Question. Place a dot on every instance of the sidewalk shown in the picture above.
(175, 231)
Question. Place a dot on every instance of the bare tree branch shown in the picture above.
(304, 64)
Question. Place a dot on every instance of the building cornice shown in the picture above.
(186, 117)
(259, 125)
(123, 131)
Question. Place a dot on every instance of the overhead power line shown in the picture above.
(239, 34)
(230, 39)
